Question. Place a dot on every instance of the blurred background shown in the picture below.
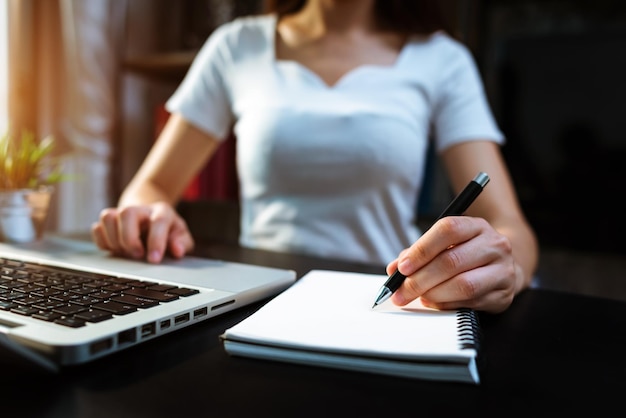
(96, 73)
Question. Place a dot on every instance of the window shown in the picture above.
(4, 67)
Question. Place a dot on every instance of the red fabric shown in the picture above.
(218, 179)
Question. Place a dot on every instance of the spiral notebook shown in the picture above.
(326, 319)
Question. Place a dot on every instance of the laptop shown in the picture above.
(65, 302)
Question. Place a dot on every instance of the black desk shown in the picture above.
(551, 352)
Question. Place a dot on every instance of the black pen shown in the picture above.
(458, 206)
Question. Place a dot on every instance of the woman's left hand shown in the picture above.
(460, 261)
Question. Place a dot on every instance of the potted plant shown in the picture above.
(27, 175)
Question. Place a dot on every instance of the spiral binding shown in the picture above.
(468, 328)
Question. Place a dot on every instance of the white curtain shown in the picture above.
(4, 55)
(69, 78)
(109, 109)
(93, 32)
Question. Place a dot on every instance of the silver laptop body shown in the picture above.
(206, 288)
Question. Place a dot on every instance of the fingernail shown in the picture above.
(180, 248)
(405, 265)
(398, 299)
(154, 256)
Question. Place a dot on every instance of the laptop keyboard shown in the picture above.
(74, 298)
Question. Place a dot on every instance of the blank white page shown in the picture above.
(332, 311)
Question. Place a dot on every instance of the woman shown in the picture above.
(333, 103)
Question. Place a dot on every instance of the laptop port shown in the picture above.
(148, 330)
(181, 318)
(198, 313)
(221, 305)
(165, 324)
(100, 346)
(126, 337)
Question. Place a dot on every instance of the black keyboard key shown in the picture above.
(183, 291)
(66, 287)
(115, 287)
(94, 315)
(85, 301)
(135, 301)
(70, 322)
(45, 292)
(115, 308)
(20, 274)
(46, 315)
(104, 294)
(65, 297)
(161, 287)
(79, 280)
(28, 300)
(151, 294)
(137, 283)
(24, 310)
(121, 280)
(83, 291)
(28, 288)
(9, 296)
(47, 305)
(49, 282)
(69, 309)
(11, 284)
(6, 305)
(97, 284)
(30, 279)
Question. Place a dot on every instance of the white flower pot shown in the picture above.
(23, 213)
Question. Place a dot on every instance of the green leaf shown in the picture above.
(26, 162)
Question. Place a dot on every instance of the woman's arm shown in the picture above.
(481, 260)
(180, 152)
(145, 223)
(498, 203)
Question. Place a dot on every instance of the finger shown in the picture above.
(97, 236)
(493, 301)
(485, 288)
(448, 264)
(393, 265)
(444, 233)
(132, 221)
(108, 230)
(161, 222)
(180, 241)
(469, 270)
(157, 240)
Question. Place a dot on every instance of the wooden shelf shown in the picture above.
(167, 66)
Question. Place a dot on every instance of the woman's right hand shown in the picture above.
(143, 232)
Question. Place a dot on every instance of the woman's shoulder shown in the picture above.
(247, 26)
(440, 43)
(245, 34)
(440, 51)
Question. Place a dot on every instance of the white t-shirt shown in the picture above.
(332, 171)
